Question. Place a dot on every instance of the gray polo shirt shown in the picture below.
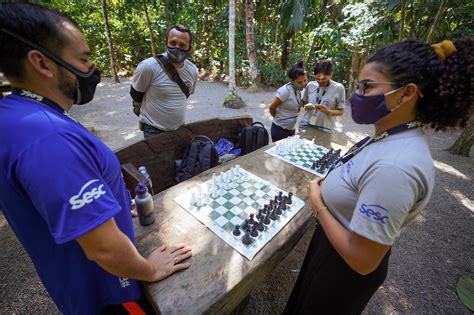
(383, 188)
(333, 96)
(287, 112)
(164, 104)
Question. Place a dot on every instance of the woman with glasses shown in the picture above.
(324, 99)
(287, 103)
(384, 181)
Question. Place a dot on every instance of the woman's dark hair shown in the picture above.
(40, 25)
(296, 70)
(447, 86)
(324, 66)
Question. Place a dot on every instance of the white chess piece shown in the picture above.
(193, 200)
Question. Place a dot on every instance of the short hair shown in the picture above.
(183, 29)
(296, 70)
(33, 22)
(447, 85)
(324, 66)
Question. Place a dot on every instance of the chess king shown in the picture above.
(77, 228)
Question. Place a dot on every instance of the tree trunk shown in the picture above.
(285, 51)
(150, 29)
(109, 40)
(251, 46)
(430, 36)
(402, 19)
(232, 85)
(354, 68)
(463, 144)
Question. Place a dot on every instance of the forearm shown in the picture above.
(334, 112)
(343, 240)
(123, 259)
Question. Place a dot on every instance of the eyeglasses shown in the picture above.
(360, 86)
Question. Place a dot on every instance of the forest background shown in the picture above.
(270, 35)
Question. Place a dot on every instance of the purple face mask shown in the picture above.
(367, 110)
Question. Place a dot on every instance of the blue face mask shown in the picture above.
(177, 55)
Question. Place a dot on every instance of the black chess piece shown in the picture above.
(246, 225)
(280, 196)
(278, 210)
(260, 225)
(283, 204)
(246, 239)
(251, 220)
(254, 232)
(289, 199)
(273, 215)
(266, 220)
(236, 230)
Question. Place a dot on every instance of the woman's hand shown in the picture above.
(323, 108)
(314, 194)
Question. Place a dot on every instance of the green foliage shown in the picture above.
(324, 29)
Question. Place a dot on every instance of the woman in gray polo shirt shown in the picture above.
(384, 181)
(287, 103)
(326, 96)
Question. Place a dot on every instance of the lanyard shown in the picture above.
(43, 100)
(298, 98)
(320, 97)
(356, 148)
(38, 98)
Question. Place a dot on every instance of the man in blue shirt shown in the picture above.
(61, 189)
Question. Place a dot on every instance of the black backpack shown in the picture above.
(200, 155)
(253, 137)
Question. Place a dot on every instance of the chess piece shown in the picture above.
(254, 232)
(236, 230)
(280, 195)
(278, 210)
(251, 220)
(246, 239)
(283, 203)
(260, 226)
(246, 225)
(289, 199)
(193, 199)
(273, 215)
(266, 220)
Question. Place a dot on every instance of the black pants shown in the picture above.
(327, 285)
(279, 133)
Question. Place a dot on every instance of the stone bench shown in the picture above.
(159, 153)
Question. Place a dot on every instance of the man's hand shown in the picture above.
(168, 261)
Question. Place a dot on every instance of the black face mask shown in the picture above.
(86, 84)
(177, 55)
(86, 81)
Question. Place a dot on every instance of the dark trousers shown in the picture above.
(150, 131)
(279, 133)
(327, 285)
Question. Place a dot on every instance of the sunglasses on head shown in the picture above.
(360, 86)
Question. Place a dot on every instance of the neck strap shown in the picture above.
(356, 148)
(38, 98)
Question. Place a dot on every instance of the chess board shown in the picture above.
(302, 154)
(234, 205)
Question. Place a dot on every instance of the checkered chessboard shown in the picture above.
(301, 154)
(234, 205)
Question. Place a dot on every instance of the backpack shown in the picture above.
(200, 155)
(253, 137)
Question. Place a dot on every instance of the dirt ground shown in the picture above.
(426, 262)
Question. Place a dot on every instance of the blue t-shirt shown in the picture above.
(58, 182)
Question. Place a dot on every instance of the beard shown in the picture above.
(67, 86)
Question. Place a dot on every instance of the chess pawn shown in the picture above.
(266, 220)
(236, 230)
(246, 239)
(260, 226)
(193, 199)
(254, 232)
(251, 220)
(213, 192)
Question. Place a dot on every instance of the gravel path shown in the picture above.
(426, 261)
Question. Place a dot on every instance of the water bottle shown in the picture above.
(148, 183)
(144, 203)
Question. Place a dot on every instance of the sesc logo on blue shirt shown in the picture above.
(373, 212)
